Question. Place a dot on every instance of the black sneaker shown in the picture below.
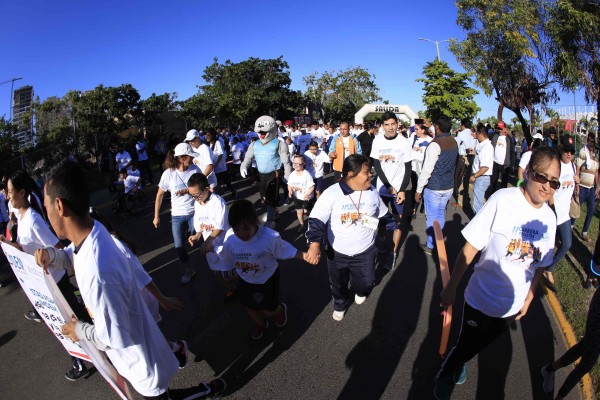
(202, 391)
(77, 371)
(33, 315)
(182, 353)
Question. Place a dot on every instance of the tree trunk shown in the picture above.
(500, 111)
(524, 125)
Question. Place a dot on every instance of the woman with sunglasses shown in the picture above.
(562, 202)
(514, 231)
(587, 170)
(179, 167)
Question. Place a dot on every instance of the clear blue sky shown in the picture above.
(164, 46)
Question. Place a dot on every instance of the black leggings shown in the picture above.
(478, 330)
(588, 348)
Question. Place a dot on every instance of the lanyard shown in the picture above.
(357, 207)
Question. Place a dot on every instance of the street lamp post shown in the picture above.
(437, 45)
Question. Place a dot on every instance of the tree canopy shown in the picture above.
(447, 92)
(338, 95)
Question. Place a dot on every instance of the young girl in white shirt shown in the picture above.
(514, 231)
(300, 187)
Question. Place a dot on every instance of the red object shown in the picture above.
(445, 273)
(501, 124)
(288, 122)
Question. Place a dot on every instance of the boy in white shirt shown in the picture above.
(129, 183)
(210, 224)
(300, 187)
(253, 250)
(123, 326)
(315, 162)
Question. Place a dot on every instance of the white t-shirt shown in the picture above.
(562, 195)
(465, 140)
(318, 136)
(419, 146)
(130, 182)
(140, 147)
(255, 261)
(174, 180)
(500, 150)
(515, 238)
(138, 349)
(204, 159)
(392, 154)
(33, 233)
(314, 163)
(237, 151)
(525, 157)
(300, 183)
(484, 157)
(133, 173)
(212, 215)
(217, 151)
(346, 143)
(123, 158)
(345, 232)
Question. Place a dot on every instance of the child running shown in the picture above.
(253, 250)
(315, 161)
(210, 223)
(300, 188)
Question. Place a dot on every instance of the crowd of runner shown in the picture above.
(384, 175)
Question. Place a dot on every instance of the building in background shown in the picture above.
(22, 117)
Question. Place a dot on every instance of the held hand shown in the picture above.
(207, 246)
(523, 310)
(447, 296)
(400, 197)
(243, 172)
(68, 330)
(3, 239)
(391, 190)
(472, 179)
(156, 222)
(313, 256)
(171, 303)
(418, 197)
(181, 192)
(193, 239)
(576, 179)
(333, 155)
(42, 258)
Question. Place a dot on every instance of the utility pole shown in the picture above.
(437, 45)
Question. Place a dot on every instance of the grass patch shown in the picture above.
(570, 278)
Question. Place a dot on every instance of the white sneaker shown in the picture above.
(338, 315)
(359, 299)
(548, 380)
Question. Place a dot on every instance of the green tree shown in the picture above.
(239, 93)
(150, 109)
(507, 51)
(340, 94)
(574, 27)
(447, 92)
(9, 145)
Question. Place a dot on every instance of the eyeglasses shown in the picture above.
(539, 178)
(198, 197)
(297, 164)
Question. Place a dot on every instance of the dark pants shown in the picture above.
(145, 171)
(566, 239)
(497, 171)
(478, 330)
(223, 178)
(588, 196)
(359, 270)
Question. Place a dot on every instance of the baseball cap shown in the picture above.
(500, 124)
(191, 135)
(568, 143)
(184, 149)
(538, 136)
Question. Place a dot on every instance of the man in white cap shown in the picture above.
(204, 160)
(269, 154)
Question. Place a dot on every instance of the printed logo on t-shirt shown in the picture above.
(247, 266)
(206, 227)
(521, 248)
(387, 155)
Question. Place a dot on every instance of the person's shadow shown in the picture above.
(374, 359)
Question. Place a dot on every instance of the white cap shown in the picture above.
(184, 149)
(191, 135)
(538, 136)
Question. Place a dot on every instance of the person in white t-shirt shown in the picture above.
(128, 183)
(123, 325)
(392, 160)
(210, 224)
(219, 157)
(204, 157)
(420, 140)
(179, 168)
(481, 169)
(347, 217)
(301, 187)
(315, 164)
(237, 154)
(253, 250)
(514, 231)
(562, 202)
(33, 233)
(525, 157)
(141, 147)
(123, 158)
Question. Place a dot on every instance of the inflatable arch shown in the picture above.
(381, 108)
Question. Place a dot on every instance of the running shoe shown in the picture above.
(281, 319)
(547, 380)
(258, 330)
(338, 315)
(359, 299)
(443, 388)
(76, 372)
(460, 374)
(182, 353)
(33, 315)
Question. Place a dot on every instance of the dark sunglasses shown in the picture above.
(539, 178)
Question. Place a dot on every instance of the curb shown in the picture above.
(567, 330)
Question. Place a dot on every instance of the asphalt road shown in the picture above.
(385, 348)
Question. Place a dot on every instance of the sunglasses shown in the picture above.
(539, 178)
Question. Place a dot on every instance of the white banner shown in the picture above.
(49, 302)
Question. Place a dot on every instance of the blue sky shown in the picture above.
(164, 46)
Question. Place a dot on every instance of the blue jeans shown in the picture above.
(479, 187)
(588, 196)
(566, 239)
(180, 225)
(435, 208)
